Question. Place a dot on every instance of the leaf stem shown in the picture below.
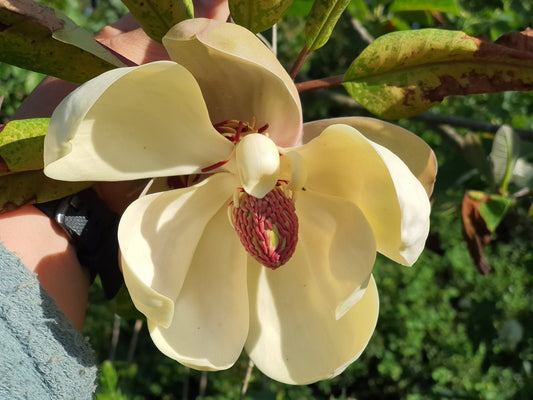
(319, 83)
(299, 62)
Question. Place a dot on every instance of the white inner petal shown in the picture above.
(258, 164)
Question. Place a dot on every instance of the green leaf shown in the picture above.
(31, 187)
(124, 306)
(402, 74)
(494, 210)
(156, 17)
(258, 16)
(21, 145)
(299, 8)
(449, 6)
(38, 38)
(321, 21)
(505, 152)
(358, 9)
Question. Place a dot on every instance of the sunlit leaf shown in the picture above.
(321, 21)
(449, 6)
(358, 9)
(505, 151)
(21, 145)
(405, 73)
(156, 17)
(31, 187)
(522, 173)
(494, 209)
(258, 16)
(40, 39)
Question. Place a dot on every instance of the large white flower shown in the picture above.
(314, 214)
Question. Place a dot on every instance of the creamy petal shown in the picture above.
(342, 162)
(158, 236)
(132, 123)
(294, 337)
(210, 322)
(258, 164)
(239, 76)
(411, 149)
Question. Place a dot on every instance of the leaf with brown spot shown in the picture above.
(475, 232)
(402, 74)
(32, 187)
(38, 38)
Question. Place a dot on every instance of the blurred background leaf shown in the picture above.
(156, 17)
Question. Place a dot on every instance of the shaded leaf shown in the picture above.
(156, 17)
(402, 74)
(321, 21)
(505, 151)
(31, 187)
(38, 38)
(258, 16)
(21, 145)
(449, 6)
(494, 209)
(475, 232)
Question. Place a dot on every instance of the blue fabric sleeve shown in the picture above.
(41, 355)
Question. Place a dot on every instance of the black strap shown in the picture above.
(92, 229)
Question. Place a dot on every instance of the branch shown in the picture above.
(432, 118)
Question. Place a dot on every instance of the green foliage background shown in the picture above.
(445, 331)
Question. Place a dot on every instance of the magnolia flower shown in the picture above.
(270, 247)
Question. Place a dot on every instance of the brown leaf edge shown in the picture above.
(475, 232)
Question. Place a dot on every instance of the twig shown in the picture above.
(134, 338)
(247, 379)
(432, 118)
(319, 83)
(185, 390)
(203, 385)
(299, 62)
(114, 337)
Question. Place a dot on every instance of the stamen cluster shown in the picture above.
(233, 129)
(267, 227)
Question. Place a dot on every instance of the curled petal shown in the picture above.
(239, 76)
(258, 164)
(294, 336)
(132, 123)
(411, 149)
(158, 235)
(210, 322)
(342, 162)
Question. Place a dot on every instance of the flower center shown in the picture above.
(267, 227)
(234, 130)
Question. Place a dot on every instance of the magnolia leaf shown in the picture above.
(402, 74)
(38, 38)
(522, 173)
(505, 151)
(449, 6)
(21, 145)
(321, 21)
(475, 232)
(156, 17)
(494, 209)
(31, 187)
(258, 16)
